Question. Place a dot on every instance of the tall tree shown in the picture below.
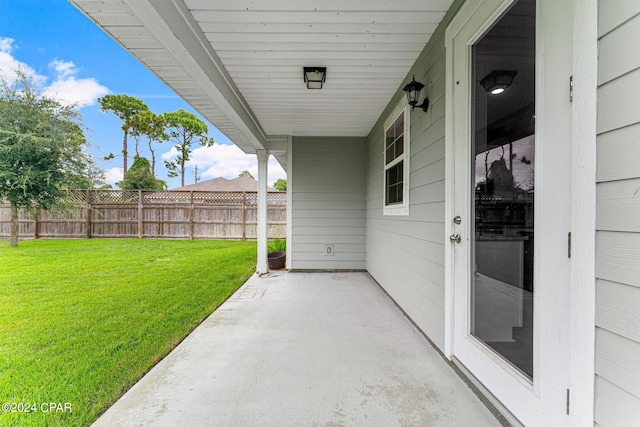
(184, 129)
(152, 126)
(140, 177)
(125, 107)
(41, 149)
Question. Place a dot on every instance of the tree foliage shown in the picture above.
(80, 170)
(140, 177)
(280, 184)
(41, 149)
(246, 173)
(125, 107)
(184, 129)
(152, 126)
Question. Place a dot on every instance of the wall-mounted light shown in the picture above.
(314, 77)
(497, 81)
(413, 89)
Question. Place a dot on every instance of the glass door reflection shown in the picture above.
(503, 169)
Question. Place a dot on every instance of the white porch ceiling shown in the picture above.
(239, 63)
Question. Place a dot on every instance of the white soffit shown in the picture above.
(257, 49)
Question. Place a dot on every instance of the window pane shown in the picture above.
(399, 147)
(394, 190)
(390, 156)
(389, 138)
(399, 126)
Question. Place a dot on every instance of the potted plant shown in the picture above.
(277, 253)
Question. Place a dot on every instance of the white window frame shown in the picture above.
(397, 208)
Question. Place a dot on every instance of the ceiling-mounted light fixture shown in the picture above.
(413, 89)
(314, 77)
(497, 81)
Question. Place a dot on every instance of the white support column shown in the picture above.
(263, 160)
(289, 202)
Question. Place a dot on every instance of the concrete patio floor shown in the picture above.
(298, 349)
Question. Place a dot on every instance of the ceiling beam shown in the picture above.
(172, 24)
(278, 146)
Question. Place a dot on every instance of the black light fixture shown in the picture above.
(497, 81)
(314, 77)
(413, 95)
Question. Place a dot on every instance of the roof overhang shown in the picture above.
(239, 63)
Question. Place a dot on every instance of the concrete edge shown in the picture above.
(488, 400)
(323, 270)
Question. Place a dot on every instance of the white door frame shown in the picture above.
(583, 208)
(578, 130)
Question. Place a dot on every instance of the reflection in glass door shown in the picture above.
(503, 164)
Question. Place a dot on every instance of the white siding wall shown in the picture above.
(328, 203)
(617, 382)
(405, 254)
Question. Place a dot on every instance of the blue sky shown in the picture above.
(76, 61)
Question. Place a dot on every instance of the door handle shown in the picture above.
(455, 238)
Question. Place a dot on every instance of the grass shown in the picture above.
(82, 320)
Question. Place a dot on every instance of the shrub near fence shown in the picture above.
(159, 214)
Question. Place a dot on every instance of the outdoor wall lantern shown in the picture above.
(413, 95)
(314, 77)
(497, 81)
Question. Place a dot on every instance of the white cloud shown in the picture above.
(6, 44)
(113, 175)
(223, 160)
(66, 86)
(9, 65)
(274, 171)
(63, 68)
(73, 91)
(227, 161)
(80, 92)
(169, 155)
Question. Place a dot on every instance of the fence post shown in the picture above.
(87, 219)
(140, 224)
(244, 216)
(35, 223)
(191, 215)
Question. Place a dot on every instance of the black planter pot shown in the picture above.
(276, 260)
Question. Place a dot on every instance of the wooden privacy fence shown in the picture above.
(159, 214)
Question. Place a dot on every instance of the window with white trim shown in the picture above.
(396, 162)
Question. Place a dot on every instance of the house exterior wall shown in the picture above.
(617, 373)
(405, 254)
(328, 202)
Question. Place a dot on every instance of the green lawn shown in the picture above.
(82, 320)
